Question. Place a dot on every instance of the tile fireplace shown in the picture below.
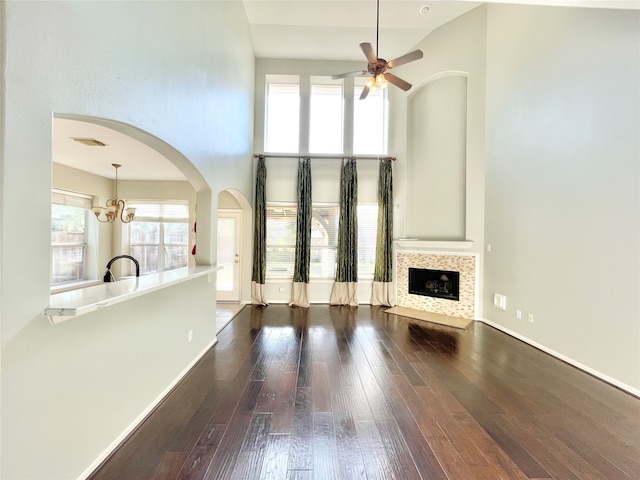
(441, 282)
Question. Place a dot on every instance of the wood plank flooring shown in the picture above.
(354, 393)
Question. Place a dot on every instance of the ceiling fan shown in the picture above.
(377, 67)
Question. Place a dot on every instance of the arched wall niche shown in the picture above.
(436, 149)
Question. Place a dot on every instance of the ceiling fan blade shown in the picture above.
(365, 92)
(357, 73)
(409, 57)
(369, 52)
(398, 82)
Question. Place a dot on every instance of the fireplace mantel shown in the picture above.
(415, 244)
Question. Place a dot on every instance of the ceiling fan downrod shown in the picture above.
(377, 25)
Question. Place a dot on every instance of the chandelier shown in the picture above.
(115, 208)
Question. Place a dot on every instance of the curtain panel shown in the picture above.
(344, 291)
(382, 292)
(299, 289)
(259, 236)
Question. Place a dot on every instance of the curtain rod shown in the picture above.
(326, 157)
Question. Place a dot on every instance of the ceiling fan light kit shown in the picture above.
(377, 67)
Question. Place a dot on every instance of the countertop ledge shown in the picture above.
(66, 305)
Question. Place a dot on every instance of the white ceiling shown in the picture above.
(333, 30)
(139, 162)
(288, 29)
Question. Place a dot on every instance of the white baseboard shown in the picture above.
(140, 418)
(564, 358)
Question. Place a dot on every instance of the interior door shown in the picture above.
(228, 283)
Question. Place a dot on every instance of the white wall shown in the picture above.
(563, 178)
(181, 71)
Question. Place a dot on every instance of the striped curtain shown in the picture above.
(299, 289)
(259, 236)
(382, 289)
(344, 291)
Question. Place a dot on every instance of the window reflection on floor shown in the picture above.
(225, 312)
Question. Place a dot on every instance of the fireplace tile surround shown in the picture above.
(432, 255)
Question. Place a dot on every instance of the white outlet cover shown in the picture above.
(499, 301)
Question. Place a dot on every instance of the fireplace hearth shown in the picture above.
(434, 283)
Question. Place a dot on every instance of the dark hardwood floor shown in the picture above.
(353, 393)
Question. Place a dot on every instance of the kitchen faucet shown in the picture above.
(108, 276)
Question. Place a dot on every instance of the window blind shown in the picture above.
(163, 211)
(71, 199)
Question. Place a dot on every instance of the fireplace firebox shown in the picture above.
(434, 283)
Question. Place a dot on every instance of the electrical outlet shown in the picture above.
(499, 301)
(519, 314)
(530, 318)
(281, 289)
(488, 247)
(190, 335)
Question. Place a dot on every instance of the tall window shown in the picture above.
(369, 120)
(323, 131)
(69, 237)
(282, 114)
(159, 236)
(325, 116)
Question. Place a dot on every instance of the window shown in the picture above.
(69, 237)
(282, 114)
(322, 129)
(159, 236)
(369, 121)
(281, 240)
(325, 116)
(324, 241)
(367, 234)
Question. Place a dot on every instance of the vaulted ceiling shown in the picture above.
(292, 29)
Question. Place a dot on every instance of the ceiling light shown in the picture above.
(115, 208)
(424, 9)
(377, 67)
